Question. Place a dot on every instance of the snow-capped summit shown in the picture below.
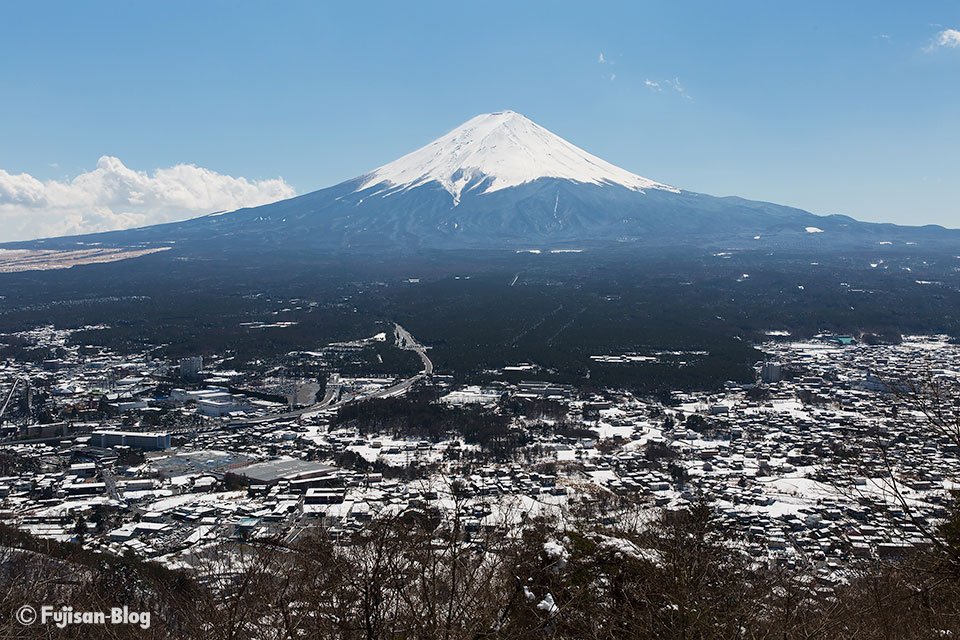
(494, 151)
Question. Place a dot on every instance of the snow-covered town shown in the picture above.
(127, 454)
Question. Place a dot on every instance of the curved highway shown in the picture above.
(404, 340)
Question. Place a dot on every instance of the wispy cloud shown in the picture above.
(948, 38)
(113, 196)
(659, 85)
(676, 86)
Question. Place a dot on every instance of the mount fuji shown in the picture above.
(502, 181)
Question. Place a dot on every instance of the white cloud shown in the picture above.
(658, 85)
(675, 83)
(949, 38)
(602, 59)
(113, 196)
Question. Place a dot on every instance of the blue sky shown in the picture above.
(836, 107)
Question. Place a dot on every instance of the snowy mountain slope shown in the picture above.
(495, 151)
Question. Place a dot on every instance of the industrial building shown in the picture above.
(150, 440)
(299, 473)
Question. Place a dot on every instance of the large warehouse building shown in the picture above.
(299, 473)
(151, 440)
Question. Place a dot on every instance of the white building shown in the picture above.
(472, 395)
